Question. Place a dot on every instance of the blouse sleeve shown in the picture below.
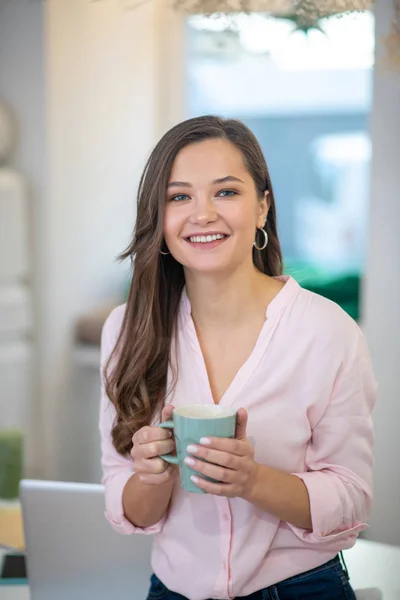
(339, 457)
(116, 469)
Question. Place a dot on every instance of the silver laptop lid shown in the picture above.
(72, 551)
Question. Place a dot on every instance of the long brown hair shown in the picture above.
(137, 382)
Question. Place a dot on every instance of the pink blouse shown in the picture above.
(309, 391)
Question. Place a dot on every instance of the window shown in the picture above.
(307, 98)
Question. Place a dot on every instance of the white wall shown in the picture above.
(171, 77)
(91, 86)
(382, 289)
(22, 87)
(101, 98)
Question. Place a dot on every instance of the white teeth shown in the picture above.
(206, 238)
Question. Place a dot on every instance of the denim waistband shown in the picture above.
(328, 565)
(160, 591)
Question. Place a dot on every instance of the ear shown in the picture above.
(263, 208)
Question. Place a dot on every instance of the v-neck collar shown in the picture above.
(275, 308)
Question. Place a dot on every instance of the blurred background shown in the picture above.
(86, 90)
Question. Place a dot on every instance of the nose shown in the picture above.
(204, 211)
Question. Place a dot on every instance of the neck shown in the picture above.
(218, 302)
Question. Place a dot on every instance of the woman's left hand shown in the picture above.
(230, 462)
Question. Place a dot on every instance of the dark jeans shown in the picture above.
(327, 582)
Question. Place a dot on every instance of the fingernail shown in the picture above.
(192, 449)
(205, 441)
(194, 479)
(190, 461)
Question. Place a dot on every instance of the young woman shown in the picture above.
(211, 319)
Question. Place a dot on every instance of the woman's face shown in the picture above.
(212, 209)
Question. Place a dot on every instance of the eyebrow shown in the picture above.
(227, 179)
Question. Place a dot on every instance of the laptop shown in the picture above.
(72, 551)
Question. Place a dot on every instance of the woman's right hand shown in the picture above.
(148, 444)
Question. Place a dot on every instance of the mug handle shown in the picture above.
(169, 458)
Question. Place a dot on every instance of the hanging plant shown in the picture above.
(305, 14)
(307, 10)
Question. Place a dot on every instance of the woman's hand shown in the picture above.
(232, 463)
(148, 444)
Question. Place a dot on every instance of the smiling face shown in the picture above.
(212, 208)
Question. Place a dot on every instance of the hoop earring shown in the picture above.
(264, 245)
(164, 253)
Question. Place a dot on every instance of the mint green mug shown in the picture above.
(190, 423)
